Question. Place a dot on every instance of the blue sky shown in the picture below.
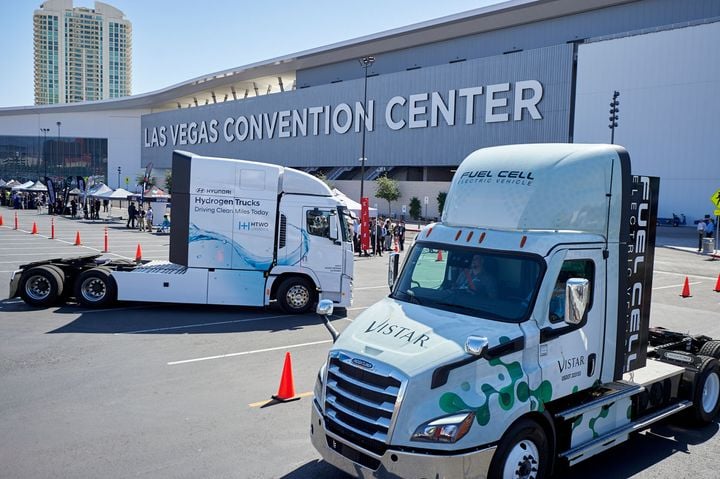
(176, 40)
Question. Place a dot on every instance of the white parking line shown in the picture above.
(171, 328)
(244, 353)
(682, 274)
(676, 285)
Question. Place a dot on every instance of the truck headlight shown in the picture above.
(445, 429)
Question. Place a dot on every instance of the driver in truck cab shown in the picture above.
(479, 277)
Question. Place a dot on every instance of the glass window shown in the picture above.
(318, 222)
(476, 282)
(573, 268)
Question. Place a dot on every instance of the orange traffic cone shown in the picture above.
(717, 285)
(34, 229)
(106, 241)
(286, 391)
(77, 239)
(16, 220)
(439, 256)
(686, 289)
(1, 220)
(138, 253)
(397, 250)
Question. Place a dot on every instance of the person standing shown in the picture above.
(141, 218)
(701, 233)
(73, 208)
(400, 233)
(132, 213)
(388, 235)
(710, 228)
(149, 219)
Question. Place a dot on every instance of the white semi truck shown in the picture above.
(515, 341)
(243, 233)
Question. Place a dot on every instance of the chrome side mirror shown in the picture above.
(577, 298)
(325, 307)
(476, 345)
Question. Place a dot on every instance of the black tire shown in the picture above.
(711, 348)
(706, 392)
(95, 288)
(296, 295)
(66, 290)
(41, 286)
(523, 452)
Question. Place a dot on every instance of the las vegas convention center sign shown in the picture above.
(492, 103)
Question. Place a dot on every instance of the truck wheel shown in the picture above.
(706, 396)
(711, 348)
(66, 291)
(296, 295)
(95, 288)
(41, 286)
(522, 453)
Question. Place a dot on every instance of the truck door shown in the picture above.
(570, 355)
(325, 250)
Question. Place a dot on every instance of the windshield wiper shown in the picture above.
(457, 306)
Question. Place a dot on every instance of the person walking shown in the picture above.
(149, 215)
(701, 233)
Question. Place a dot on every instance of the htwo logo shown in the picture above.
(244, 225)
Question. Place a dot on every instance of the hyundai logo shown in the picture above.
(362, 363)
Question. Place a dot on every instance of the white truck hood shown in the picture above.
(414, 338)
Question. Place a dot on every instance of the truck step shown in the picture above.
(616, 391)
(619, 435)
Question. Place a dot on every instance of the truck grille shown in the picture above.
(360, 401)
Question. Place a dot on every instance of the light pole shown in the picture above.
(44, 131)
(59, 124)
(119, 171)
(614, 110)
(365, 62)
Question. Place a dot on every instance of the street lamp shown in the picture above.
(119, 171)
(44, 131)
(365, 62)
(58, 123)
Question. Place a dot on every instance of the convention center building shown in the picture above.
(414, 101)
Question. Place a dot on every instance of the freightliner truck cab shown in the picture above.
(516, 336)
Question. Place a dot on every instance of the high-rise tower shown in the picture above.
(81, 54)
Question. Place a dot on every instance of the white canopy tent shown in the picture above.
(99, 190)
(118, 194)
(22, 186)
(36, 187)
(352, 205)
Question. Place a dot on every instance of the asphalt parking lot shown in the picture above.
(173, 391)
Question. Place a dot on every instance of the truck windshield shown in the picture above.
(487, 284)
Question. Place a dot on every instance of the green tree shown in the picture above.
(387, 189)
(415, 208)
(441, 201)
(168, 181)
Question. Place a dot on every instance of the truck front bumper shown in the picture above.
(395, 464)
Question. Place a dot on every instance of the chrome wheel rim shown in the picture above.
(522, 462)
(711, 391)
(297, 296)
(38, 287)
(93, 289)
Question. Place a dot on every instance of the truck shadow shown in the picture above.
(153, 318)
(642, 451)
